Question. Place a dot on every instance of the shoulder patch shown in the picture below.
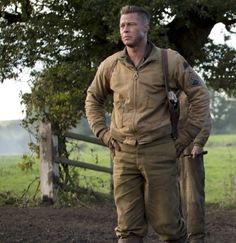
(186, 65)
(194, 79)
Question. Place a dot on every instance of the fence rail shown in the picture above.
(50, 160)
(83, 138)
(84, 165)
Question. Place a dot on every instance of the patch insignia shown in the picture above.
(185, 64)
(194, 79)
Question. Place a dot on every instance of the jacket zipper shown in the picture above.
(136, 74)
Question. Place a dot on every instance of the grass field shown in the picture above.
(220, 168)
(15, 183)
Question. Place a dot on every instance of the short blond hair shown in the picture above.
(142, 12)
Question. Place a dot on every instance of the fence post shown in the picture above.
(48, 170)
(56, 173)
(111, 182)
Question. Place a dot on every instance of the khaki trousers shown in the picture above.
(192, 183)
(146, 190)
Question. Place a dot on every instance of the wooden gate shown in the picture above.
(50, 160)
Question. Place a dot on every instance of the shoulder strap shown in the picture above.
(164, 59)
(171, 97)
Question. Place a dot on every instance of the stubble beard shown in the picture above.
(134, 43)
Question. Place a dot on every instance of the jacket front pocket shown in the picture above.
(117, 114)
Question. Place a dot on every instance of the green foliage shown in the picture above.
(7, 198)
(83, 185)
(57, 96)
(26, 163)
(220, 68)
(87, 30)
(94, 154)
(81, 189)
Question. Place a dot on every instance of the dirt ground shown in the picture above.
(91, 224)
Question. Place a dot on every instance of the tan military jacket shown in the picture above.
(185, 109)
(140, 109)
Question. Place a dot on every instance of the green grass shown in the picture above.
(95, 154)
(220, 168)
(14, 182)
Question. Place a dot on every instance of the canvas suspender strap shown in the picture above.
(164, 59)
(172, 99)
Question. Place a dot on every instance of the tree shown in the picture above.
(52, 31)
(219, 68)
(56, 96)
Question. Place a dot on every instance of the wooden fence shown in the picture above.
(50, 160)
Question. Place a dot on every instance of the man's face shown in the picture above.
(132, 29)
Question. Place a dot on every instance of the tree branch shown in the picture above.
(228, 25)
(16, 17)
(11, 18)
(189, 33)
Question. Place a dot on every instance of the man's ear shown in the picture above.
(146, 28)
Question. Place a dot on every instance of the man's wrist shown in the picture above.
(105, 136)
(197, 144)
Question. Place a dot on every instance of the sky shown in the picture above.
(10, 90)
(10, 107)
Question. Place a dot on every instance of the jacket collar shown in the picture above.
(152, 53)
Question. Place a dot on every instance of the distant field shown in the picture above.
(14, 182)
(220, 166)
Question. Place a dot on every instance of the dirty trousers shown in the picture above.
(192, 183)
(146, 190)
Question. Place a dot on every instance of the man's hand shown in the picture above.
(111, 143)
(196, 151)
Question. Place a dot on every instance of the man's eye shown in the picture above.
(131, 24)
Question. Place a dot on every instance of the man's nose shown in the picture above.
(126, 28)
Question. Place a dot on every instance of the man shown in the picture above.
(145, 171)
(192, 178)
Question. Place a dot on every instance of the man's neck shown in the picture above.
(136, 54)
